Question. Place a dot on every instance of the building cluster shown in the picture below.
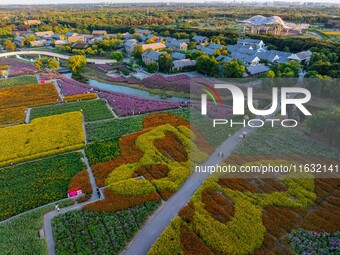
(252, 53)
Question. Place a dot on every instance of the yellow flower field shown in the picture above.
(331, 33)
(43, 137)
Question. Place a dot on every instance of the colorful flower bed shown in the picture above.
(243, 216)
(308, 242)
(244, 232)
(18, 81)
(102, 151)
(43, 137)
(28, 95)
(79, 97)
(82, 232)
(173, 83)
(115, 128)
(93, 110)
(12, 116)
(71, 87)
(17, 67)
(82, 180)
(152, 154)
(34, 184)
(123, 105)
(127, 105)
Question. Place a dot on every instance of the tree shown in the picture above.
(207, 65)
(268, 74)
(9, 45)
(52, 64)
(38, 64)
(46, 63)
(138, 51)
(76, 63)
(287, 70)
(165, 63)
(152, 67)
(117, 56)
(232, 69)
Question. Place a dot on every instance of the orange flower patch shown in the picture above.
(172, 148)
(113, 202)
(28, 95)
(153, 172)
(158, 119)
(219, 207)
(14, 115)
(130, 153)
(191, 244)
(82, 180)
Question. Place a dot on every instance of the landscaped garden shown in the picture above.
(18, 67)
(17, 81)
(28, 95)
(242, 216)
(21, 235)
(82, 232)
(93, 110)
(43, 137)
(30, 185)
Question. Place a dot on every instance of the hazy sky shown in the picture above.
(29, 2)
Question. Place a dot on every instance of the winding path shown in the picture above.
(55, 55)
(143, 241)
(49, 216)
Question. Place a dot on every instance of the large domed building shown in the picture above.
(273, 24)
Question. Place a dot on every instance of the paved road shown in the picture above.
(142, 242)
(56, 55)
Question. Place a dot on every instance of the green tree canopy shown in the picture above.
(232, 69)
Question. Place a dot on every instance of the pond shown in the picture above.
(128, 90)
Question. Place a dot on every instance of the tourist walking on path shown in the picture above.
(57, 207)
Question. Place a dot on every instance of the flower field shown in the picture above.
(128, 105)
(79, 97)
(82, 232)
(259, 216)
(281, 141)
(153, 163)
(102, 151)
(20, 235)
(82, 180)
(28, 95)
(43, 137)
(236, 216)
(18, 81)
(17, 67)
(173, 83)
(15, 115)
(308, 242)
(92, 110)
(115, 128)
(122, 104)
(37, 183)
